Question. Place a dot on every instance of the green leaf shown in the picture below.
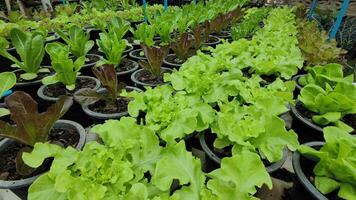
(28, 76)
(179, 164)
(229, 182)
(43, 189)
(7, 80)
(325, 184)
(327, 118)
(31, 126)
(4, 112)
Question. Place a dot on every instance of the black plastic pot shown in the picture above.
(212, 44)
(125, 76)
(170, 64)
(128, 49)
(5, 64)
(298, 87)
(29, 87)
(20, 187)
(223, 35)
(307, 131)
(142, 85)
(215, 160)
(135, 55)
(75, 113)
(101, 117)
(302, 187)
(86, 69)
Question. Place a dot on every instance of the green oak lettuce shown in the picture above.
(336, 163)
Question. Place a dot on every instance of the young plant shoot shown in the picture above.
(66, 69)
(107, 76)
(77, 40)
(30, 48)
(111, 42)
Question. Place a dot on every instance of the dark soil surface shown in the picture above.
(146, 76)
(212, 40)
(350, 120)
(139, 54)
(91, 59)
(64, 137)
(173, 59)
(59, 89)
(125, 65)
(304, 112)
(223, 34)
(269, 79)
(40, 76)
(284, 175)
(105, 107)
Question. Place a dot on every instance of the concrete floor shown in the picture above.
(7, 195)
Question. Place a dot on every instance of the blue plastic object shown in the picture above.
(165, 3)
(144, 4)
(195, 1)
(312, 8)
(7, 93)
(340, 16)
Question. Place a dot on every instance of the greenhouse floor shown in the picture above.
(7, 195)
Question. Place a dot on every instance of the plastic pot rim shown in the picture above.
(42, 96)
(312, 190)
(169, 63)
(299, 116)
(103, 116)
(133, 78)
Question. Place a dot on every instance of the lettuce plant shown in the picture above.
(8, 80)
(255, 127)
(250, 23)
(66, 70)
(134, 166)
(271, 51)
(111, 42)
(316, 47)
(77, 40)
(31, 126)
(172, 115)
(336, 163)
(154, 54)
(330, 74)
(30, 47)
(330, 105)
(107, 76)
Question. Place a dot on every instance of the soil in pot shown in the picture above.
(350, 120)
(59, 89)
(126, 65)
(137, 54)
(223, 34)
(212, 41)
(90, 62)
(173, 61)
(64, 136)
(119, 106)
(146, 76)
(306, 132)
(29, 86)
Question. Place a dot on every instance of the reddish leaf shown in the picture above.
(31, 126)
